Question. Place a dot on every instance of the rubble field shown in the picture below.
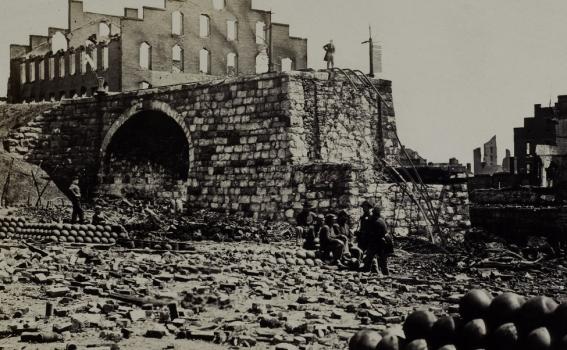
(235, 294)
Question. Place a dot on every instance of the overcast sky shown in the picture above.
(462, 70)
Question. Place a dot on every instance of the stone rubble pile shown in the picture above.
(246, 295)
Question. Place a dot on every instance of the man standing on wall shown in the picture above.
(330, 54)
(75, 197)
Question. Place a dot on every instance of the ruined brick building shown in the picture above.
(487, 164)
(541, 142)
(182, 42)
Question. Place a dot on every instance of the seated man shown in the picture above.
(98, 217)
(330, 245)
(305, 226)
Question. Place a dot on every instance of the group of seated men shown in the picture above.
(337, 242)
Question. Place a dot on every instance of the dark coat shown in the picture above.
(329, 52)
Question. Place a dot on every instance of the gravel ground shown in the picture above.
(235, 294)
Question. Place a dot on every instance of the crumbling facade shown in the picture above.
(182, 42)
(257, 146)
(540, 145)
(487, 164)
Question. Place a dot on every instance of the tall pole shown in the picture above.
(371, 46)
(371, 51)
(270, 42)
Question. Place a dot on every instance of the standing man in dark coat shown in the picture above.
(364, 226)
(376, 243)
(75, 197)
(330, 54)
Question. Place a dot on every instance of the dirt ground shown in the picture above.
(235, 295)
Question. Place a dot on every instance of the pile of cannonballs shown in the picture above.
(507, 322)
(19, 228)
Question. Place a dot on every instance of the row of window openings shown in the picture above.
(87, 60)
(205, 28)
(205, 61)
(84, 92)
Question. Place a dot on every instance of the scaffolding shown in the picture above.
(412, 184)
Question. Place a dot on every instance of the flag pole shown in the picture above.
(371, 51)
(371, 44)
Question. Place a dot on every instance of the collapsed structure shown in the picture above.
(183, 41)
(529, 198)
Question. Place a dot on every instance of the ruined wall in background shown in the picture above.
(517, 222)
(449, 207)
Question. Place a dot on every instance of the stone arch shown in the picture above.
(148, 106)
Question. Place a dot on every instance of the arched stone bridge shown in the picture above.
(257, 144)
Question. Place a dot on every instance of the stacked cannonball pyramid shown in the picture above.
(507, 322)
(18, 228)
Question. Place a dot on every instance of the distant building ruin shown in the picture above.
(541, 144)
(487, 164)
(182, 42)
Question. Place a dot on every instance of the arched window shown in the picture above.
(23, 73)
(32, 71)
(72, 64)
(204, 26)
(105, 58)
(219, 4)
(58, 42)
(262, 62)
(42, 70)
(145, 56)
(103, 30)
(51, 68)
(232, 30)
(260, 33)
(177, 58)
(232, 64)
(61, 66)
(287, 64)
(177, 23)
(205, 61)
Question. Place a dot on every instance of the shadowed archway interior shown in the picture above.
(148, 154)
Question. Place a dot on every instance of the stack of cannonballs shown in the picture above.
(507, 322)
(18, 228)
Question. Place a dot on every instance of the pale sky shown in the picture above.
(462, 70)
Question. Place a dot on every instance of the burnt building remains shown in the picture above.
(487, 163)
(183, 41)
(540, 146)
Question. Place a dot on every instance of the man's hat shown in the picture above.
(320, 217)
(366, 204)
(331, 217)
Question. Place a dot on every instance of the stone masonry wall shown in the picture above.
(333, 122)
(331, 187)
(258, 146)
(449, 202)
